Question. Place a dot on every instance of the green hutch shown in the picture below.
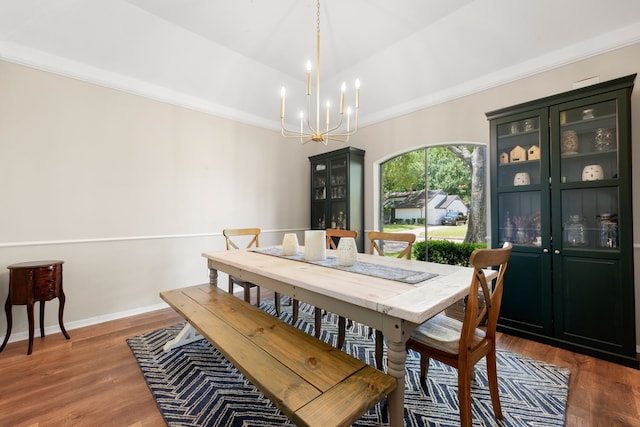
(561, 193)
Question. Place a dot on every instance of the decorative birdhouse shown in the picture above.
(518, 154)
(533, 153)
(504, 158)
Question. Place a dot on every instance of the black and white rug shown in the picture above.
(195, 385)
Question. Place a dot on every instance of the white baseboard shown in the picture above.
(53, 329)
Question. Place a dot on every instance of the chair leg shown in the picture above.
(492, 374)
(464, 395)
(296, 310)
(247, 293)
(318, 321)
(342, 323)
(276, 297)
(424, 367)
(379, 342)
(258, 296)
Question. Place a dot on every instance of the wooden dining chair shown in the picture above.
(233, 236)
(462, 344)
(405, 252)
(333, 237)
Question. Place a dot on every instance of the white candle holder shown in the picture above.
(289, 244)
(315, 242)
(347, 251)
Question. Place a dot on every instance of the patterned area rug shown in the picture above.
(195, 385)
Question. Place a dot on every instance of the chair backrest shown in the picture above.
(408, 238)
(251, 233)
(334, 232)
(474, 314)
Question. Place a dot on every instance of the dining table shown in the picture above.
(388, 294)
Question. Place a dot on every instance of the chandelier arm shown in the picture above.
(346, 133)
(333, 138)
(288, 133)
(336, 127)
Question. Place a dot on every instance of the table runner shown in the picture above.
(369, 269)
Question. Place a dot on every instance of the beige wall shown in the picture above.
(129, 191)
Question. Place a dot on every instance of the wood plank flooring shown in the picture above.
(94, 380)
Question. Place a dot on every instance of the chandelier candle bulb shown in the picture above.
(328, 114)
(342, 89)
(308, 78)
(357, 93)
(283, 91)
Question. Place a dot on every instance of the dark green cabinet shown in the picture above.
(337, 191)
(561, 193)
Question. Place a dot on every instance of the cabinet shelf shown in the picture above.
(608, 120)
(534, 162)
(594, 153)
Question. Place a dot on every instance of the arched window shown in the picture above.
(424, 188)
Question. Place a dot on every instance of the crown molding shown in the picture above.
(37, 59)
(33, 58)
(614, 40)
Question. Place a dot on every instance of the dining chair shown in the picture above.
(462, 344)
(333, 237)
(406, 241)
(233, 236)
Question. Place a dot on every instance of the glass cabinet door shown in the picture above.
(521, 164)
(520, 219)
(338, 177)
(590, 218)
(589, 143)
(588, 175)
(319, 180)
(318, 194)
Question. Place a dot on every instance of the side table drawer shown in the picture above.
(46, 282)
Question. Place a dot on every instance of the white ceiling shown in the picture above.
(231, 57)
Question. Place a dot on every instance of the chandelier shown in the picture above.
(339, 131)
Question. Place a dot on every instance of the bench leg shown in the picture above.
(187, 335)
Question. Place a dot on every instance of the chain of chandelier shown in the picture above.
(340, 131)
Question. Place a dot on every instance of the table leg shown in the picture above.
(30, 317)
(41, 319)
(7, 310)
(213, 276)
(396, 358)
(62, 299)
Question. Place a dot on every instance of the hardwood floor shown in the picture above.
(94, 380)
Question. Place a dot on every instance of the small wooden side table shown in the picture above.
(30, 282)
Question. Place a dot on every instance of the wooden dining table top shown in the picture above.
(414, 303)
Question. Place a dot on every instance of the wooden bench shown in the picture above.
(310, 381)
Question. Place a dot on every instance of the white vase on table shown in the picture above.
(289, 244)
(315, 242)
(347, 251)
